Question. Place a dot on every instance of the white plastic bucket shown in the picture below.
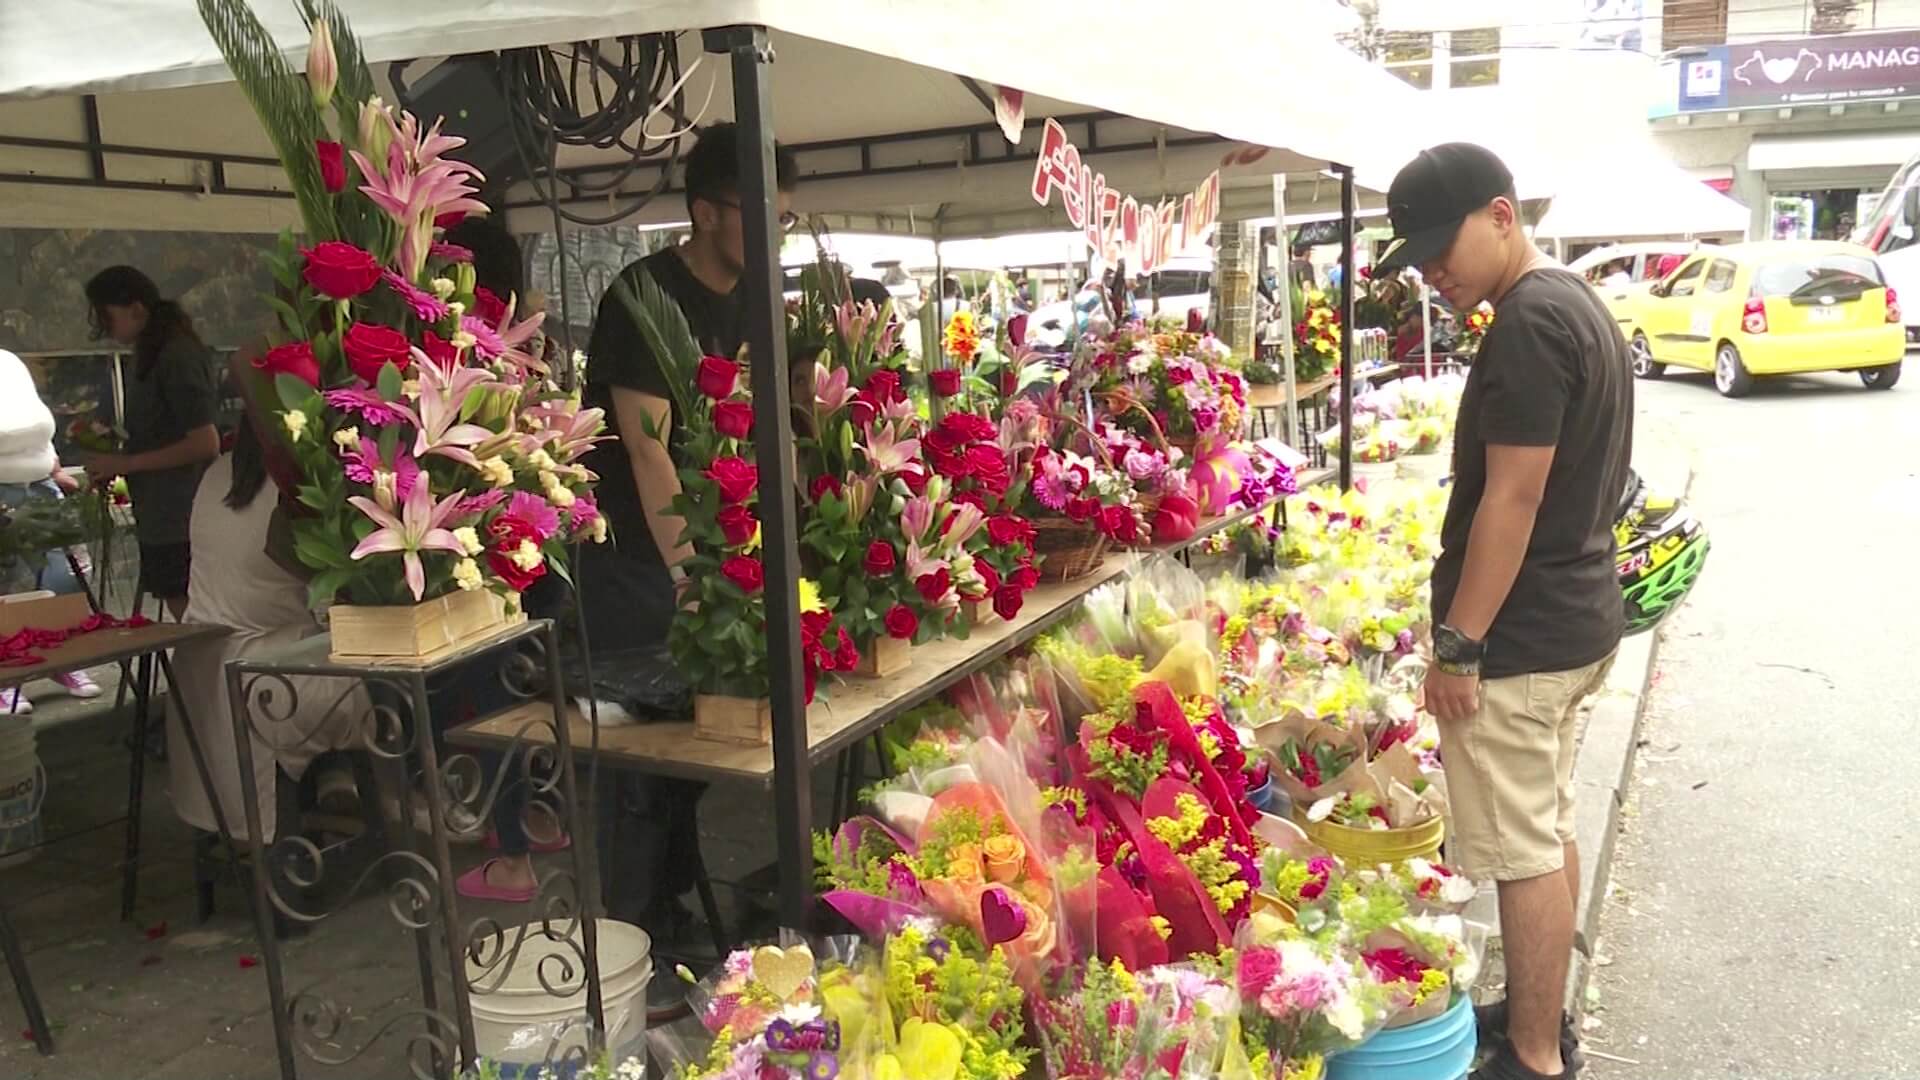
(521, 1023)
(1375, 472)
(1428, 468)
(23, 788)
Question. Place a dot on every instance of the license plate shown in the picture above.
(1824, 315)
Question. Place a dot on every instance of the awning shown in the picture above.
(1621, 196)
(1854, 150)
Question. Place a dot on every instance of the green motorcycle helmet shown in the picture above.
(1661, 549)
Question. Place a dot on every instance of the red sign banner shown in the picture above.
(1119, 228)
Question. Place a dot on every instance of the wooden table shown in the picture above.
(846, 711)
(131, 647)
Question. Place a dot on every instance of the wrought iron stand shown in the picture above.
(394, 730)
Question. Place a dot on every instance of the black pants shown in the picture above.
(650, 832)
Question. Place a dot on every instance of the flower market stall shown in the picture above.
(915, 536)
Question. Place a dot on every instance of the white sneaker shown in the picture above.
(79, 684)
(13, 702)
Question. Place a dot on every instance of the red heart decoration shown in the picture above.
(1002, 919)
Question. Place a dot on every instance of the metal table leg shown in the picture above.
(136, 783)
(23, 984)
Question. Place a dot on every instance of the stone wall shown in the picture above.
(217, 277)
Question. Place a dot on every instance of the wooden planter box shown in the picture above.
(884, 656)
(416, 633)
(978, 612)
(748, 721)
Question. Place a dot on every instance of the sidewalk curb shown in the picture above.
(1603, 777)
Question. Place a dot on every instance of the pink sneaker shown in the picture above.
(79, 684)
(14, 702)
(474, 885)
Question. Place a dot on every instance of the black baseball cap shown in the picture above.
(1433, 194)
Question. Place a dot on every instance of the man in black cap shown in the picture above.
(1527, 609)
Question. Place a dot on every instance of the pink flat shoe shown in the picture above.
(474, 886)
(535, 846)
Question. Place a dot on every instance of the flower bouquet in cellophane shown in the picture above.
(1302, 999)
(1164, 1023)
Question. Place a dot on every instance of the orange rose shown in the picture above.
(963, 865)
(1006, 857)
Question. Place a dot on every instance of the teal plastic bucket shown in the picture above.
(1438, 1049)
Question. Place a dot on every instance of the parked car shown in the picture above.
(1622, 273)
(1774, 307)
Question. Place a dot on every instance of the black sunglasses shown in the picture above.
(787, 220)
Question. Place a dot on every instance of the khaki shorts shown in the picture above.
(1510, 773)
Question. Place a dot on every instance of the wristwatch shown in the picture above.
(1455, 653)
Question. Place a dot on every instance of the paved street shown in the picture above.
(1764, 917)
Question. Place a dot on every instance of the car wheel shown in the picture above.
(1644, 365)
(1730, 376)
(1881, 378)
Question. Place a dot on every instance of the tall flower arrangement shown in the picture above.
(1317, 333)
(433, 452)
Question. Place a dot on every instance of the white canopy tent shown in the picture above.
(119, 112)
(1621, 198)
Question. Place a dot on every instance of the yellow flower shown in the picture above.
(496, 471)
(466, 574)
(469, 539)
(962, 338)
(296, 422)
(559, 495)
(527, 555)
(442, 287)
(600, 530)
(964, 866)
(542, 460)
(1162, 927)
(1005, 857)
(347, 438)
(810, 596)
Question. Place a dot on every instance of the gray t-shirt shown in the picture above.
(176, 396)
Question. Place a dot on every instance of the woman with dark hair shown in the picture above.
(168, 408)
(236, 584)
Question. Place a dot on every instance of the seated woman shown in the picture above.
(236, 585)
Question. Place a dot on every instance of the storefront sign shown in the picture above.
(1119, 228)
(1802, 71)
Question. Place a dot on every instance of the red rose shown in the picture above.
(1179, 376)
(823, 484)
(812, 625)
(880, 559)
(738, 523)
(717, 377)
(1006, 529)
(989, 577)
(943, 440)
(734, 419)
(916, 479)
(847, 656)
(946, 381)
(1120, 523)
(1026, 577)
(902, 623)
(489, 308)
(449, 219)
(507, 532)
(333, 165)
(883, 386)
(1083, 510)
(744, 571)
(935, 586)
(294, 358)
(1007, 600)
(340, 271)
(969, 427)
(861, 412)
(968, 498)
(736, 478)
(951, 466)
(439, 350)
(370, 347)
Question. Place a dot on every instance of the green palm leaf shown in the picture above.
(664, 326)
(281, 99)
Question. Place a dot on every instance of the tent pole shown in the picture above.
(1283, 299)
(767, 363)
(1346, 325)
(1426, 324)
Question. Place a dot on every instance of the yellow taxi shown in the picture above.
(1773, 307)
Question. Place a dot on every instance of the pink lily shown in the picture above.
(885, 454)
(967, 520)
(831, 388)
(436, 415)
(571, 429)
(418, 184)
(420, 527)
(919, 563)
(917, 517)
(852, 320)
(504, 341)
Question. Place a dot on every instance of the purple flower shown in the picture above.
(366, 404)
(903, 884)
(440, 249)
(938, 949)
(486, 340)
(425, 306)
(536, 512)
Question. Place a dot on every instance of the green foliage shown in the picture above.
(281, 97)
(664, 326)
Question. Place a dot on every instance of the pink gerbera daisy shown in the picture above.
(425, 306)
(453, 253)
(486, 340)
(365, 403)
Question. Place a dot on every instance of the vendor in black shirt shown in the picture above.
(169, 405)
(627, 584)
